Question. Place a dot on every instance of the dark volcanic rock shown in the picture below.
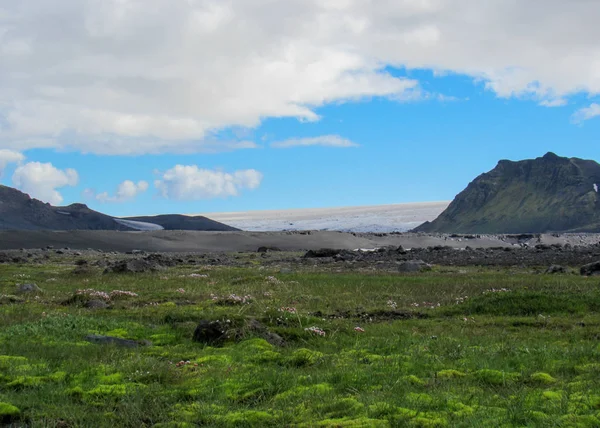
(263, 332)
(591, 269)
(134, 266)
(556, 269)
(322, 252)
(267, 249)
(546, 194)
(109, 340)
(210, 332)
(28, 288)
(413, 266)
(96, 304)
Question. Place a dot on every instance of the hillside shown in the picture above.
(18, 211)
(547, 194)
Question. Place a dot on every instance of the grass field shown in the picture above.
(458, 347)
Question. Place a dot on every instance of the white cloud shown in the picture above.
(323, 140)
(131, 76)
(9, 156)
(126, 191)
(557, 102)
(188, 182)
(586, 113)
(40, 181)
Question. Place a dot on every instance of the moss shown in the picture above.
(8, 412)
(538, 416)
(460, 410)
(111, 379)
(414, 380)
(304, 393)
(258, 351)
(340, 408)
(305, 357)
(553, 395)
(381, 409)
(254, 345)
(118, 332)
(169, 305)
(496, 377)
(542, 378)
(244, 392)
(28, 368)
(251, 418)
(363, 422)
(361, 356)
(112, 391)
(423, 422)
(8, 361)
(588, 368)
(26, 382)
(450, 374)
(163, 339)
(174, 425)
(76, 391)
(580, 421)
(215, 360)
(419, 400)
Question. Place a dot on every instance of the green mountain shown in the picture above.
(547, 194)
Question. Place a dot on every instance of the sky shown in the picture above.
(195, 106)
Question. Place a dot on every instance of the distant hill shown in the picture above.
(183, 222)
(547, 194)
(18, 211)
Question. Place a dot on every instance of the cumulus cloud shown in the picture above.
(188, 182)
(9, 156)
(586, 113)
(40, 180)
(167, 75)
(126, 191)
(323, 140)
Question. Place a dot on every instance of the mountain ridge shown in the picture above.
(545, 194)
(19, 211)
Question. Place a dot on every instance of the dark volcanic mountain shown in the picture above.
(18, 211)
(547, 194)
(184, 222)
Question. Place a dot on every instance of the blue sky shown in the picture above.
(112, 124)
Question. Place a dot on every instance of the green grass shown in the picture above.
(502, 348)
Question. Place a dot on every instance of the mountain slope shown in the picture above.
(18, 211)
(183, 222)
(547, 194)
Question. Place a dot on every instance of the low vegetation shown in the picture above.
(454, 347)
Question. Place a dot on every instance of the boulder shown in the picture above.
(28, 288)
(322, 252)
(109, 340)
(263, 332)
(590, 269)
(556, 269)
(134, 266)
(96, 304)
(210, 332)
(267, 249)
(413, 266)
